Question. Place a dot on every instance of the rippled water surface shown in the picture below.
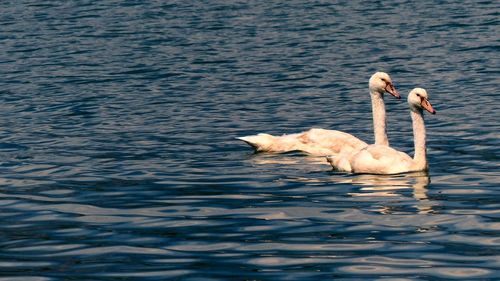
(118, 157)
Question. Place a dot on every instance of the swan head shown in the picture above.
(381, 82)
(419, 99)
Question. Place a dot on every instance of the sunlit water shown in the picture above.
(118, 156)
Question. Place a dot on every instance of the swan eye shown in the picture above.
(418, 95)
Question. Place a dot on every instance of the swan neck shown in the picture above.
(419, 137)
(379, 118)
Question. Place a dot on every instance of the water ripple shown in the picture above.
(119, 159)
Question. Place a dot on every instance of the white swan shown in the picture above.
(381, 159)
(321, 142)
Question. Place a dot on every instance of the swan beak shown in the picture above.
(391, 90)
(427, 105)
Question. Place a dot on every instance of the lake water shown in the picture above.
(118, 157)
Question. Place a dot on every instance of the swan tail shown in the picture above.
(339, 163)
(260, 142)
(330, 159)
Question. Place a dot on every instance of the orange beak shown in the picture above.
(391, 90)
(427, 105)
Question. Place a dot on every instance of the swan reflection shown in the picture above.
(389, 185)
(374, 186)
(289, 159)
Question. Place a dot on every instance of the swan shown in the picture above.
(381, 159)
(321, 142)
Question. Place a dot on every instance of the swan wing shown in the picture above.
(380, 159)
(321, 142)
(318, 142)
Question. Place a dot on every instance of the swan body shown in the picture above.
(381, 159)
(315, 141)
(321, 142)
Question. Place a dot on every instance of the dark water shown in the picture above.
(118, 159)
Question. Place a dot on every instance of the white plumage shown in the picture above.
(382, 159)
(321, 142)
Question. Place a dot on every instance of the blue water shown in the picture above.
(118, 157)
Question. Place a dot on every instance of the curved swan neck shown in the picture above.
(379, 119)
(419, 137)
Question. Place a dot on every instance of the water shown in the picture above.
(118, 157)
